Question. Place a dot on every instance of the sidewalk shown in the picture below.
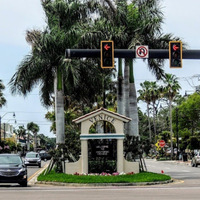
(178, 162)
(184, 163)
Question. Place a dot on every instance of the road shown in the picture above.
(186, 187)
(181, 171)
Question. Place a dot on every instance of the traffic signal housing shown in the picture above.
(107, 54)
(175, 54)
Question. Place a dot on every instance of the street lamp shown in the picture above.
(1, 117)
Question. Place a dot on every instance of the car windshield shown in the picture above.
(32, 155)
(10, 159)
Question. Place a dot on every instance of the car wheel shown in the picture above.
(196, 165)
(39, 165)
(24, 184)
(192, 164)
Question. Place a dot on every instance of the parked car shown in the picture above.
(196, 160)
(12, 169)
(32, 159)
(44, 155)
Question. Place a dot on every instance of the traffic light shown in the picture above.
(107, 54)
(175, 54)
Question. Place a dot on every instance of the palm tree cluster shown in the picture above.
(155, 95)
(30, 133)
(132, 23)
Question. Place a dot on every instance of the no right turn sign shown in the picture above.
(142, 52)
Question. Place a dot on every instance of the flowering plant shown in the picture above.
(104, 174)
(130, 173)
(6, 147)
(115, 173)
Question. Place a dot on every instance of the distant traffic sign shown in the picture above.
(161, 143)
(142, 52)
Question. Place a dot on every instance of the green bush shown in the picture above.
(98, 166)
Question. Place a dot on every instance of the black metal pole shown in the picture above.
(128, 53)
(177, 135)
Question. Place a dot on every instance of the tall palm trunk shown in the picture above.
(126, 94)
(59, 108)
(171, 133)
(120, 102)
(154, 120)
(149, 123)
(133, 112)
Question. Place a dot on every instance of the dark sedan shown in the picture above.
(12, 169)
(44, 155)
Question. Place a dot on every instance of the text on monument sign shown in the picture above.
(102, 117)
(102, 150)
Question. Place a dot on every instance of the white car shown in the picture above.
(196, 160)
(32, 159)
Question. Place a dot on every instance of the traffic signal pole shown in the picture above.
(127, 53)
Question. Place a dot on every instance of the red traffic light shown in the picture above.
(175, 54)
(175, 47)
(106, 47)
(107, 54)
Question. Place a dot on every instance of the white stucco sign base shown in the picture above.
(117, 120)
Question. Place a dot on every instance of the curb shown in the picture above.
(103, 184)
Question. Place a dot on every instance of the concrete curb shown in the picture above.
(103, 184)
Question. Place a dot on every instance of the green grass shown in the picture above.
(67, 178)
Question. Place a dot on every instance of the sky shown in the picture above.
(181, 18)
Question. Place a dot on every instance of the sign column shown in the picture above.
(120, 156)
(84, 153)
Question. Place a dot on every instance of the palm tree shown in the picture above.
(155, 96)
(34, 128)
(21, 132)
(145, 96)
(171, 89)
(120, 101)
(139, 23)
(2, 98)
(45, 64)
(134, 125)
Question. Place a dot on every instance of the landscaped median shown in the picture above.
(142, 178)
